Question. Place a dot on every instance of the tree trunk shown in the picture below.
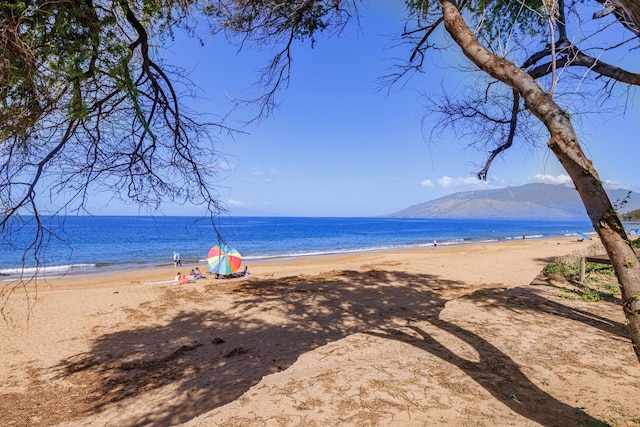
(564, 144)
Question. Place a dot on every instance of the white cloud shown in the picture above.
(467, 183)
(223, 164)
(613, 185)
(447, 181)
(237, 203)
(560, 179)
(258, 173)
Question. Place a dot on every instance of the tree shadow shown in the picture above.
(528, 299)
(496, 373)
(210, 358)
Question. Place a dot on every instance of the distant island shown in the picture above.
(543, 201)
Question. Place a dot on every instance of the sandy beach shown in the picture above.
(468, 335)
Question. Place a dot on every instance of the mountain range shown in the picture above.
(528, 201)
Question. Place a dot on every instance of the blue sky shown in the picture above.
(339, 146)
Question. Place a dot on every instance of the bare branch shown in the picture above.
(572, 56)
(627, 12)
(278, 25)
(513, 123)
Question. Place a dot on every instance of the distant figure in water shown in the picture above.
(435, 243)
(177, 260)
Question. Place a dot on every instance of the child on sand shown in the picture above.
(180, 279)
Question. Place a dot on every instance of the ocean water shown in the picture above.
(100, 243)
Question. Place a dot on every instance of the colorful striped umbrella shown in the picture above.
(223, 259)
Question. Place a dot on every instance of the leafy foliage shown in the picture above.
(497, 21)
(81, 97)
(631, 216)
(86, 107)
(274, 20)
(502, 20)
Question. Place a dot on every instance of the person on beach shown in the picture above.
(195, 274)
(182, 280)
(435, 243)
(177, 260)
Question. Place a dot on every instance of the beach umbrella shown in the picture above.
(583, 236)
(223, 259)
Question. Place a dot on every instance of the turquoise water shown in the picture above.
(107, 242)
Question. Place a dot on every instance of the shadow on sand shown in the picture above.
(187, 354)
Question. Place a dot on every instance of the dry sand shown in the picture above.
(461, 335)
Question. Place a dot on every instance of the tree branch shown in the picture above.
(571, 56)
(627, 12)
(515, 108)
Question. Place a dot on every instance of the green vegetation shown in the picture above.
(631, 216)
(566, 271)
(600, 282)
(88, 106)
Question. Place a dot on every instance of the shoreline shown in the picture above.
(102, 244)
(91, 270)
(157, 274)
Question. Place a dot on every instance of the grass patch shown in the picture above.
(562, 270)
(480, 293)
(600, 282)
